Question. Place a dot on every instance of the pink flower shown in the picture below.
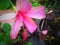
(24, 14)
(44, 32)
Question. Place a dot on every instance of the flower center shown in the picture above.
(20, 12)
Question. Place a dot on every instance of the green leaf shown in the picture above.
(28, 43)
(1, 35)
(5, 38)
(35, 4)
(6, 27)
(4, 4)
(5, 35)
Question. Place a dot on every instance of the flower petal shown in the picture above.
(16, 28)
(29, 23)
(7, 16)
(44, 32)
(37, 12)
(23, 5)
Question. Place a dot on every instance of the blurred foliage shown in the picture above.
(48, 3)
(28, 43)
(5, 34)
(4, 4)
(6, 28)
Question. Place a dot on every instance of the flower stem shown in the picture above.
(13, 6)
